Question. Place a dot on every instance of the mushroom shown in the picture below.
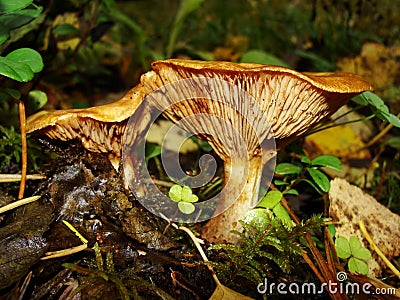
(244, 108)
(99, 128)
(238, 108)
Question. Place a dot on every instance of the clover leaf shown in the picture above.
(355, 252)
(185, 198)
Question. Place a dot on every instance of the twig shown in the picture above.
(69, 251)
(161, 182)
(24, 155)
(328, 250)
(377, 250)
(313, 267)
(197, 242)
(332, 246)
(64, 252)
(25, 285)
(18, 203)
(17, 177)
(201, 251)
(376, 138)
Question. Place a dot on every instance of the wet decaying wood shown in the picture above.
(84, 189)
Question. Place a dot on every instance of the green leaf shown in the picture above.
(281, 212)
(13, 93)
(15, 70)
(186, 208)
(271, 199)
(305, 159)
(175, 193)
(8, 6)
(291, 192)
(27, 56)
(4, 33)
(374, 100)
(152, 150)
(66, 29)
(186, 7)
(357, 266)
(378, 107)
(187, 195)
(278, 182)
(342, 247)
(362, 254)
(320, 179)
(287, 168)
(262, 57)
(313, 184)
(355, 244)
(20, 18)
(392, 119)
(332, 229)
(258, 217)
(327, 161)
(394, 142)
(360, 99)
(36, 100)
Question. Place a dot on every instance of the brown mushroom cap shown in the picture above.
(99, 128)
(293, 102)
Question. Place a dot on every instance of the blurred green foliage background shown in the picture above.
(103, 46)
(94, 51)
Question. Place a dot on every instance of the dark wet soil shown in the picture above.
(84, 189)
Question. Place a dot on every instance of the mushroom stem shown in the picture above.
(218, 229)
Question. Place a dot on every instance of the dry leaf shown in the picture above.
(224, 293)
(376, 63)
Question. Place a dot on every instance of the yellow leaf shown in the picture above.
(342, 141)
(72, 19)
(339, 141)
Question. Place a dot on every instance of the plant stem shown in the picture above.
(376, 138)
(339, 124)
(24, 155)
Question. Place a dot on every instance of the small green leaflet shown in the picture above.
(185, 198)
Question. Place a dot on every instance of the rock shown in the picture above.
(349, 205)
